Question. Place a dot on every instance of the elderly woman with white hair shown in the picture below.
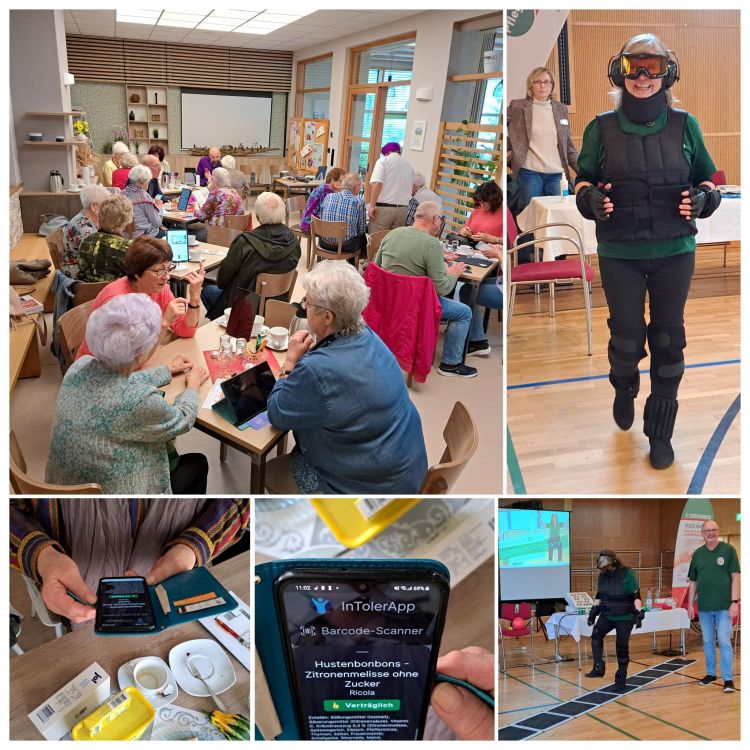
(146, 210)
(118, 150)
(343, 394)
(237, 178)
(120, 176)
(113, 426)
(101, 255)
(222, 201)
(270, 248)
(84, 223)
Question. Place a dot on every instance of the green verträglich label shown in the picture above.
(374, 704)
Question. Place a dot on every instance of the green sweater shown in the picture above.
(590, 169)
(411, 251)
(712, 573)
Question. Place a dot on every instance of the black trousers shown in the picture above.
(190, 476)
(622, 641)
(667, 281)
(347, 246)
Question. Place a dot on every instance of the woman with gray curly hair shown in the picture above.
(146, 210)
(222, 201)
(113, 426)
(343, 394)
(84, 223)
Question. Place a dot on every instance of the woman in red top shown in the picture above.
(148, 263)
(120, 175)
(486, 221)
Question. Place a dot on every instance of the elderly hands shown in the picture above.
(59, 575)
(195, 283)
(176, 559)
(300, 343)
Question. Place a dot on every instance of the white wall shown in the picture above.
(431, 55)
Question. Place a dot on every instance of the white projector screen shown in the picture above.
(217, 118)
(533, 554)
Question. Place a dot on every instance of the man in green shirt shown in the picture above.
(714, 576)
(618, 607)
(416, 251)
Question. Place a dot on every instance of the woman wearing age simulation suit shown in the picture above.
(644, 177)
(617, 606)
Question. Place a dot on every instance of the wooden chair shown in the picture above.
(335, 229)
(71, 331)
(373, 243)
(223, 236)
(86, 291)
(278, 313)
(23, 484)
(296, 204)
(274, 285)
(55, 245)
(237, 221)
(130, 231)
(461, 442)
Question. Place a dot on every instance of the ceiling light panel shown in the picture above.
(138, 16)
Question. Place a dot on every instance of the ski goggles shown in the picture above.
(654, 66)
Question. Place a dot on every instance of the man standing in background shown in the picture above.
(391, 185)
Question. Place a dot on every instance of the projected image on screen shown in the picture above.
(533, 553)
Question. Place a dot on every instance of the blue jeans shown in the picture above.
(532, 184)
(210, 296)
(489, 295)
(720, 623)
(458, 316)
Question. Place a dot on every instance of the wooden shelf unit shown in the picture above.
(152, 101)
(52, 143)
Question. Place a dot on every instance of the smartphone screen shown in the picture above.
(361, 648)
(123, 606)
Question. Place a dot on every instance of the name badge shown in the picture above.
(563, 122)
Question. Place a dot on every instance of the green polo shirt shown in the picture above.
(712, 573)
(630, 584)
(590, 168)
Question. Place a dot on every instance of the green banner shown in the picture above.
(372, 704)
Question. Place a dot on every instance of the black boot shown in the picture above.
(623, 408)
(621, 677)
(659, 417)
(597, 671)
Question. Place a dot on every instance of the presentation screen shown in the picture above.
(216, 118)
(533, 554)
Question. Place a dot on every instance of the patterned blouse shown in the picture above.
(79, 227)
(220, 203)
(101, 257)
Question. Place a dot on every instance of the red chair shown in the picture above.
(551, 271)
(509, 612)
(405, 312)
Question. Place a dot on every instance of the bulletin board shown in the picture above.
(308, 144)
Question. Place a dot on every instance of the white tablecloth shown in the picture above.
(723, 226)
(654, 621)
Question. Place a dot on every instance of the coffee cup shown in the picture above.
(75, 187)
(257, 325)
(192, 240)
(227, 312)
(278, 337)
(150, 675)
(196, 255)
(464, 250)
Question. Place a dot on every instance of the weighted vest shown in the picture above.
(647, 173)
(611, 592)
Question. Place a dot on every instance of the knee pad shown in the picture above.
(666, 344)
(626, 348)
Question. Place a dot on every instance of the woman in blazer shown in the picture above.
(539, 142)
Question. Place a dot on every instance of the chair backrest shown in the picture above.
(223, 236)
(274, 285)
(278, 313)
(510, 610)
(55, 244)
(511, 229)
(461, 441)
(295, 203)
(71, 331)
(373, 243)
(238, 221)
(335, 229)
(23, 484)
(86, 291)
(719, 178)
(130, 230)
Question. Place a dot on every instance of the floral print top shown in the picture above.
(220, 203)
(75, 231)
(101, 257)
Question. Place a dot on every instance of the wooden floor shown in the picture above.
(562, 432)
(675, 708)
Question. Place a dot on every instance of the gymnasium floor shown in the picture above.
(676, 707)
(561, 435)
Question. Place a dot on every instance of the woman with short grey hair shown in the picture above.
(118, 149)
(101, 255)
(237, 178)
(113, 426)
(146, 210)
(122, 173)
(270, 248)
(343, 394)
(84, 223)
(222, 201)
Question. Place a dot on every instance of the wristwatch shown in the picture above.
(194, 307)
(735, 601)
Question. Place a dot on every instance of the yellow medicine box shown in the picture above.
(356, 520)
(125, 716)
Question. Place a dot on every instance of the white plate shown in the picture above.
(211, 661)
(178, 723)
(729, 189)
(125, 679)
(282, 348)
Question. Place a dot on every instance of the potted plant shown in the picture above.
(136, 146)
(155, 131)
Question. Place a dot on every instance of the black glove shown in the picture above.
(590, 202)
(639, 615)
(703, 201)
(593, 614)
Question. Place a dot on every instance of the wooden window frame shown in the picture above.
(300, 91)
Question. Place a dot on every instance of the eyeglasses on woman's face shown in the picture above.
(540, 82)
(307, 305)
(163, 270)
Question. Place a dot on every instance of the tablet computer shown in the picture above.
(178, 241)
(248, 391)
(184, 199)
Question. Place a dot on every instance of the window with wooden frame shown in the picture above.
(313, 92)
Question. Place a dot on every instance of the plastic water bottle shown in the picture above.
(563, 189)
(649, 599)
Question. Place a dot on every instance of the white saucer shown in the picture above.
(70, 190)
(282, 348)
(125, 679)
(211, 661)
